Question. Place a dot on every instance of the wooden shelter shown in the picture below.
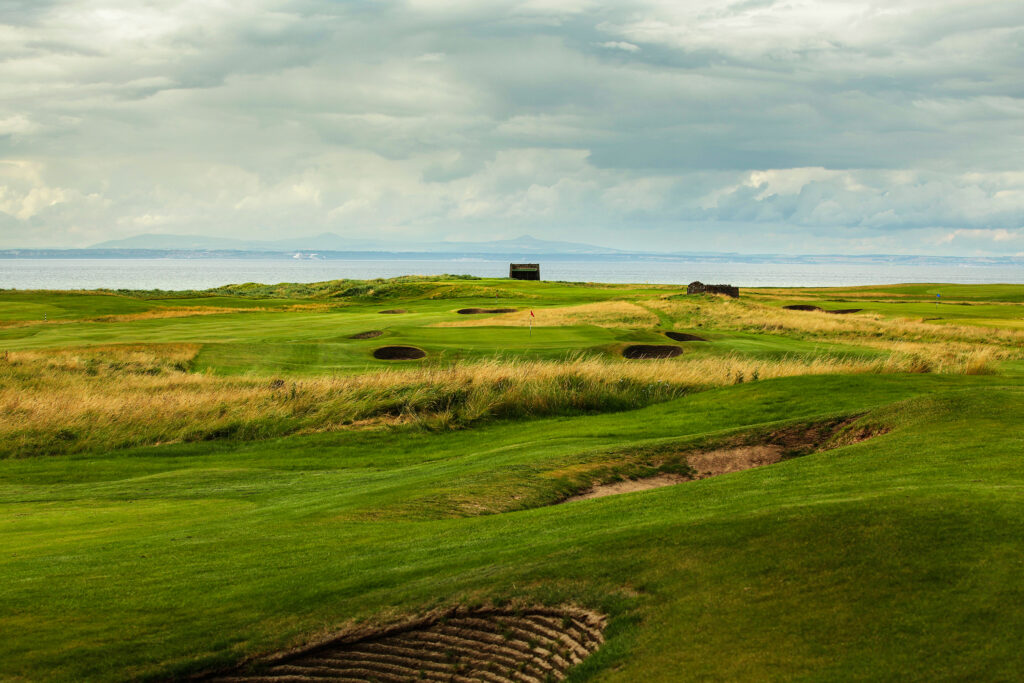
(524, 271)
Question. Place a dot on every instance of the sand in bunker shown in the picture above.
(629, 486)
(704, 465)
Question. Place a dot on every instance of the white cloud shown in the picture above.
(876, 124)
(619, 45)
(1000, 235)
(23, 193)
(17, 124)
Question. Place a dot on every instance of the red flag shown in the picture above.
(532, 315)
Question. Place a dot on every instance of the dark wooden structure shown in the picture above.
(698, 287)
(524, 271)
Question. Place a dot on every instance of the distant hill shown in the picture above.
(331, 242)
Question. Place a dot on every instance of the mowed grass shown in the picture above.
(197, 546)
(895, 555)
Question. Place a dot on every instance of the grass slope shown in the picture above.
(896, 557)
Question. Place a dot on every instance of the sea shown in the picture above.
(205, 273)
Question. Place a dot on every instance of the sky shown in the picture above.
(763, 126)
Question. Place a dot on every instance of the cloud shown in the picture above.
(780, 126)
(1000, 235)
(619, 45)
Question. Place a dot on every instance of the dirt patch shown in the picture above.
(369, 334)
(669, 466)
(483, 644)
(399, 353)
(726, 460)
(682, 336)
(394, 311)
(649, 351)
(844, 311)
(802, 307)
(478, 311)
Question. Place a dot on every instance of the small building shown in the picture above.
(524, 271)
(698, 287)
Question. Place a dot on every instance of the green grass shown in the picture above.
(895, 558)
(211, 549)
(921, 292)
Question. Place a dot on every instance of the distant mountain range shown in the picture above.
(331, 242)
(329, 246)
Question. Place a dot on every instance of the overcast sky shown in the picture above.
(758, 126)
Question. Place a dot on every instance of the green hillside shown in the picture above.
(191, 481)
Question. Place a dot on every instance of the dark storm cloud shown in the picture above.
(867, 126)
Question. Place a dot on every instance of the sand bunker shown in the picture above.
(682, 336)
(648, 351)
(486, 644)
(835, 311)
(704, 465)
(399, 353)
(478, 311)
(394, 311)
(369, 334)
(711, 462)
(629, 486)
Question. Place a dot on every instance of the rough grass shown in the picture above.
(395, 492)
(172, 312)
(865, 329)
(891, 558)
(72, 400)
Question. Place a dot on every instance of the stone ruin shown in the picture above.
(698, 287)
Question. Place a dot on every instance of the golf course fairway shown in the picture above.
(214, 484)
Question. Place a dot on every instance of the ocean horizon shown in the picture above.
(174, 274)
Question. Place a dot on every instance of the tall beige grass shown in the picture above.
(864, 329)
(172, 312)
(115, 397)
